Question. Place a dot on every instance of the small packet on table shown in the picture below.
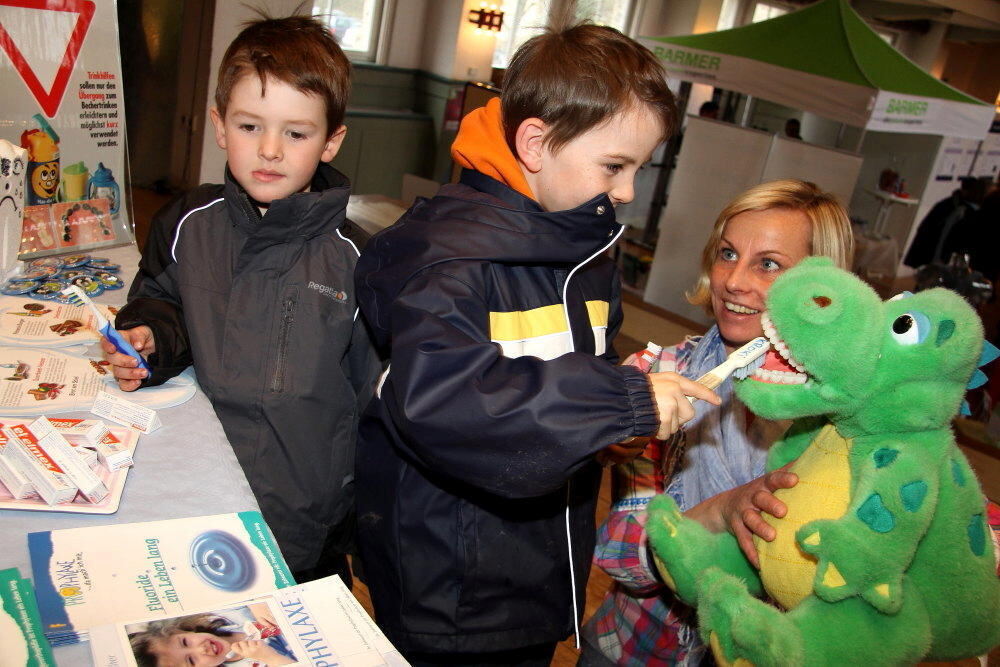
(126, 413)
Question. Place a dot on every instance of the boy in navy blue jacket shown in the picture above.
(476, 467)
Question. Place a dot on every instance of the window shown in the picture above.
(887, 36)
(356, 24)
(523, 19)
(763, 11)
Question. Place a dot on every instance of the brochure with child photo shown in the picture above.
(316, 623)
(99, 574)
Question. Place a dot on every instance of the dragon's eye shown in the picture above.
(910, 328)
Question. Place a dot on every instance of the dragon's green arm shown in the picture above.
(894, 493)
(795, 441)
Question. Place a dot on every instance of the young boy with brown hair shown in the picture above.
(252, 282)
(477, 474)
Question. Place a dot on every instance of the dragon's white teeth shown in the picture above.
(779, 345)
(780, 377)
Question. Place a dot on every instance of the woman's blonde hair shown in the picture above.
(831, 228)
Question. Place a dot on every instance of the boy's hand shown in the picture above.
(622, 452)
(123, 366)
(670, 391)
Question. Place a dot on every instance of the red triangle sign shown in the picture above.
(50, 100)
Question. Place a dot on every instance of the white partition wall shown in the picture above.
(718, 161)
(833, 170)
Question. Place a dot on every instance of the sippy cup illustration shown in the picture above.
(102, 185)
(43, 162)
(73, 184)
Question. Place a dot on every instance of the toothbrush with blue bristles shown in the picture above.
(741, 364)
(78, 297)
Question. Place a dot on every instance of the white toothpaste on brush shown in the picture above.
(24, 451)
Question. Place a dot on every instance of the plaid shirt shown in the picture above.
(640, 622)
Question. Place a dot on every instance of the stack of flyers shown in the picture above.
(99, 574)
(316, 623)
(21, 635)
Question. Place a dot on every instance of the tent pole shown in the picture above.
(745, 120)
(666, 165)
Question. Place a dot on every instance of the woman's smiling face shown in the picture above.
(755, 248)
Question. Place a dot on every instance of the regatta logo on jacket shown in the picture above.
(335, 294)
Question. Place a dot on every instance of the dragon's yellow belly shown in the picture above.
(823, 492)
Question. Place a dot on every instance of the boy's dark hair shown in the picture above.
(142, 642)
(297, 50)
(577, 78)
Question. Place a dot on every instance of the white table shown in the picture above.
(185, 468)
(886, 200)
(373, 213)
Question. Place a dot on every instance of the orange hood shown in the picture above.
(481, 145)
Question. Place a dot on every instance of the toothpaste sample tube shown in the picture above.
(15, 480)
(88, 455)
(90, 485)
(24, 451)
(113, 453)
(82, 431)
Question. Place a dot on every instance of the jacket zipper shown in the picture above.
(572, 345)
(287, 319)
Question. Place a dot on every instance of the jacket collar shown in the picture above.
(303, 214)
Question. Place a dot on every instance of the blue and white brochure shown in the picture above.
(100, 574)
(316, 623)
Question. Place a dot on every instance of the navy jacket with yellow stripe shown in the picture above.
(498, 318)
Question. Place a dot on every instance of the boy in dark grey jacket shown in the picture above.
(251, 281)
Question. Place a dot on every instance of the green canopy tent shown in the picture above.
(826, 60)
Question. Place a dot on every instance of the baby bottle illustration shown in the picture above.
(43, 162)
(102, 185)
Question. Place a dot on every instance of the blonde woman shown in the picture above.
(714, 467)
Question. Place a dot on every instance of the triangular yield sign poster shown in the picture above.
(61, 77)
(50, 99)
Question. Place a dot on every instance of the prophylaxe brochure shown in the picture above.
(316, 623)
(101, 574)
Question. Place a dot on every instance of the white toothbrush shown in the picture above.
(78, 297)
(741, 364)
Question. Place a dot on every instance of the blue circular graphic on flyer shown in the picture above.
(222, 561)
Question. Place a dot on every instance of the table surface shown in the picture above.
(184, 468)
(373, 213)
(890, 197)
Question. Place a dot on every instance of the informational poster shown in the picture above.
(60, 72)
(988, 160)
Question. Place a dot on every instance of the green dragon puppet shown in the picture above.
(884, 556)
